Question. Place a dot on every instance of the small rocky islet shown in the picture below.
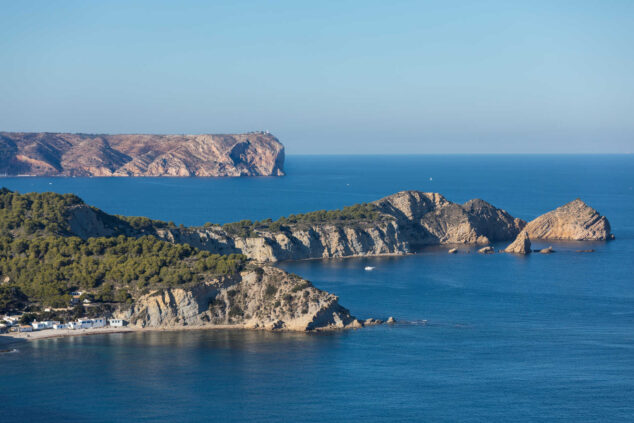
(242, 288)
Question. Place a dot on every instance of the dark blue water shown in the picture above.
(538, 338)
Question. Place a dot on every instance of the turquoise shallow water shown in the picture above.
(480, 338)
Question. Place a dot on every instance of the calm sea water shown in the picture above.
(480, 338)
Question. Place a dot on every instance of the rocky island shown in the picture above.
(64, 154)
(156, 275)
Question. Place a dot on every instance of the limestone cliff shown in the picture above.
(63, 154)
(429, 219)
(521, 245)
(404, 222)
(407, 220)
(573, 221)
(260, 298)
(298, 242)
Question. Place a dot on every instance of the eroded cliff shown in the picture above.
(404, 222)
(63, 154)
(260, 298)
(398, 224)
(572, 221)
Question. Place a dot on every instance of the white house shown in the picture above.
(99, 322)
(91, 323)
(83, 323)
(48, 324)
(12, 319)
(75, 325)
(116, 323)
(25, 328)
(59, 326)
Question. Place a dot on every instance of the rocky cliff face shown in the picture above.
(61, 154)
(298, 242)
(262, 298)
(407, 220)
(521, 245)
(429, 219)
(573, 221)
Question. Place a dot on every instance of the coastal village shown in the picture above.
(12, 324)
(19, 323)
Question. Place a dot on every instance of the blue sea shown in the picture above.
(494, 338)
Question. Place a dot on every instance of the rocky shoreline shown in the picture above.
(407, 221)
(7, 341)
(263, 297)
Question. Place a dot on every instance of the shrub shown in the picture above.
(270, 291)
(300, 286)
(235, 311)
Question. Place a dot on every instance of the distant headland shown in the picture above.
(65, 154)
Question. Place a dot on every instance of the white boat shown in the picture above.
(368, 268)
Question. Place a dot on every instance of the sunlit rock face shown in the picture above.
(575, 221)
(62, 154)
(262, 298)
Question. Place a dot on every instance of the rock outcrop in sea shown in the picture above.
(63, 154)
(573, 221)
(486, 250)
(521, 245)
(261, 298)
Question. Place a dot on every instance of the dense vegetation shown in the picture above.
(47, 269)
(348, 214)
(144, 224)
(41, 261)
(35, 212)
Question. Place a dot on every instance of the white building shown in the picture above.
(60, 326)
(75, 325)
(116, 323)
(12, 319)
(48, 324)
(25, 328)
(99, 322)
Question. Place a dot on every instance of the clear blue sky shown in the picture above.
(328, 77)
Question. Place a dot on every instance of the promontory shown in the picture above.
(65, 154)
(154, 274)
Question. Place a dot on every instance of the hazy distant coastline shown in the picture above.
(65, 154)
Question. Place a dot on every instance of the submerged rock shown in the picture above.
(521, 245)
(548, 250)
(486, 250)
(573, 221)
